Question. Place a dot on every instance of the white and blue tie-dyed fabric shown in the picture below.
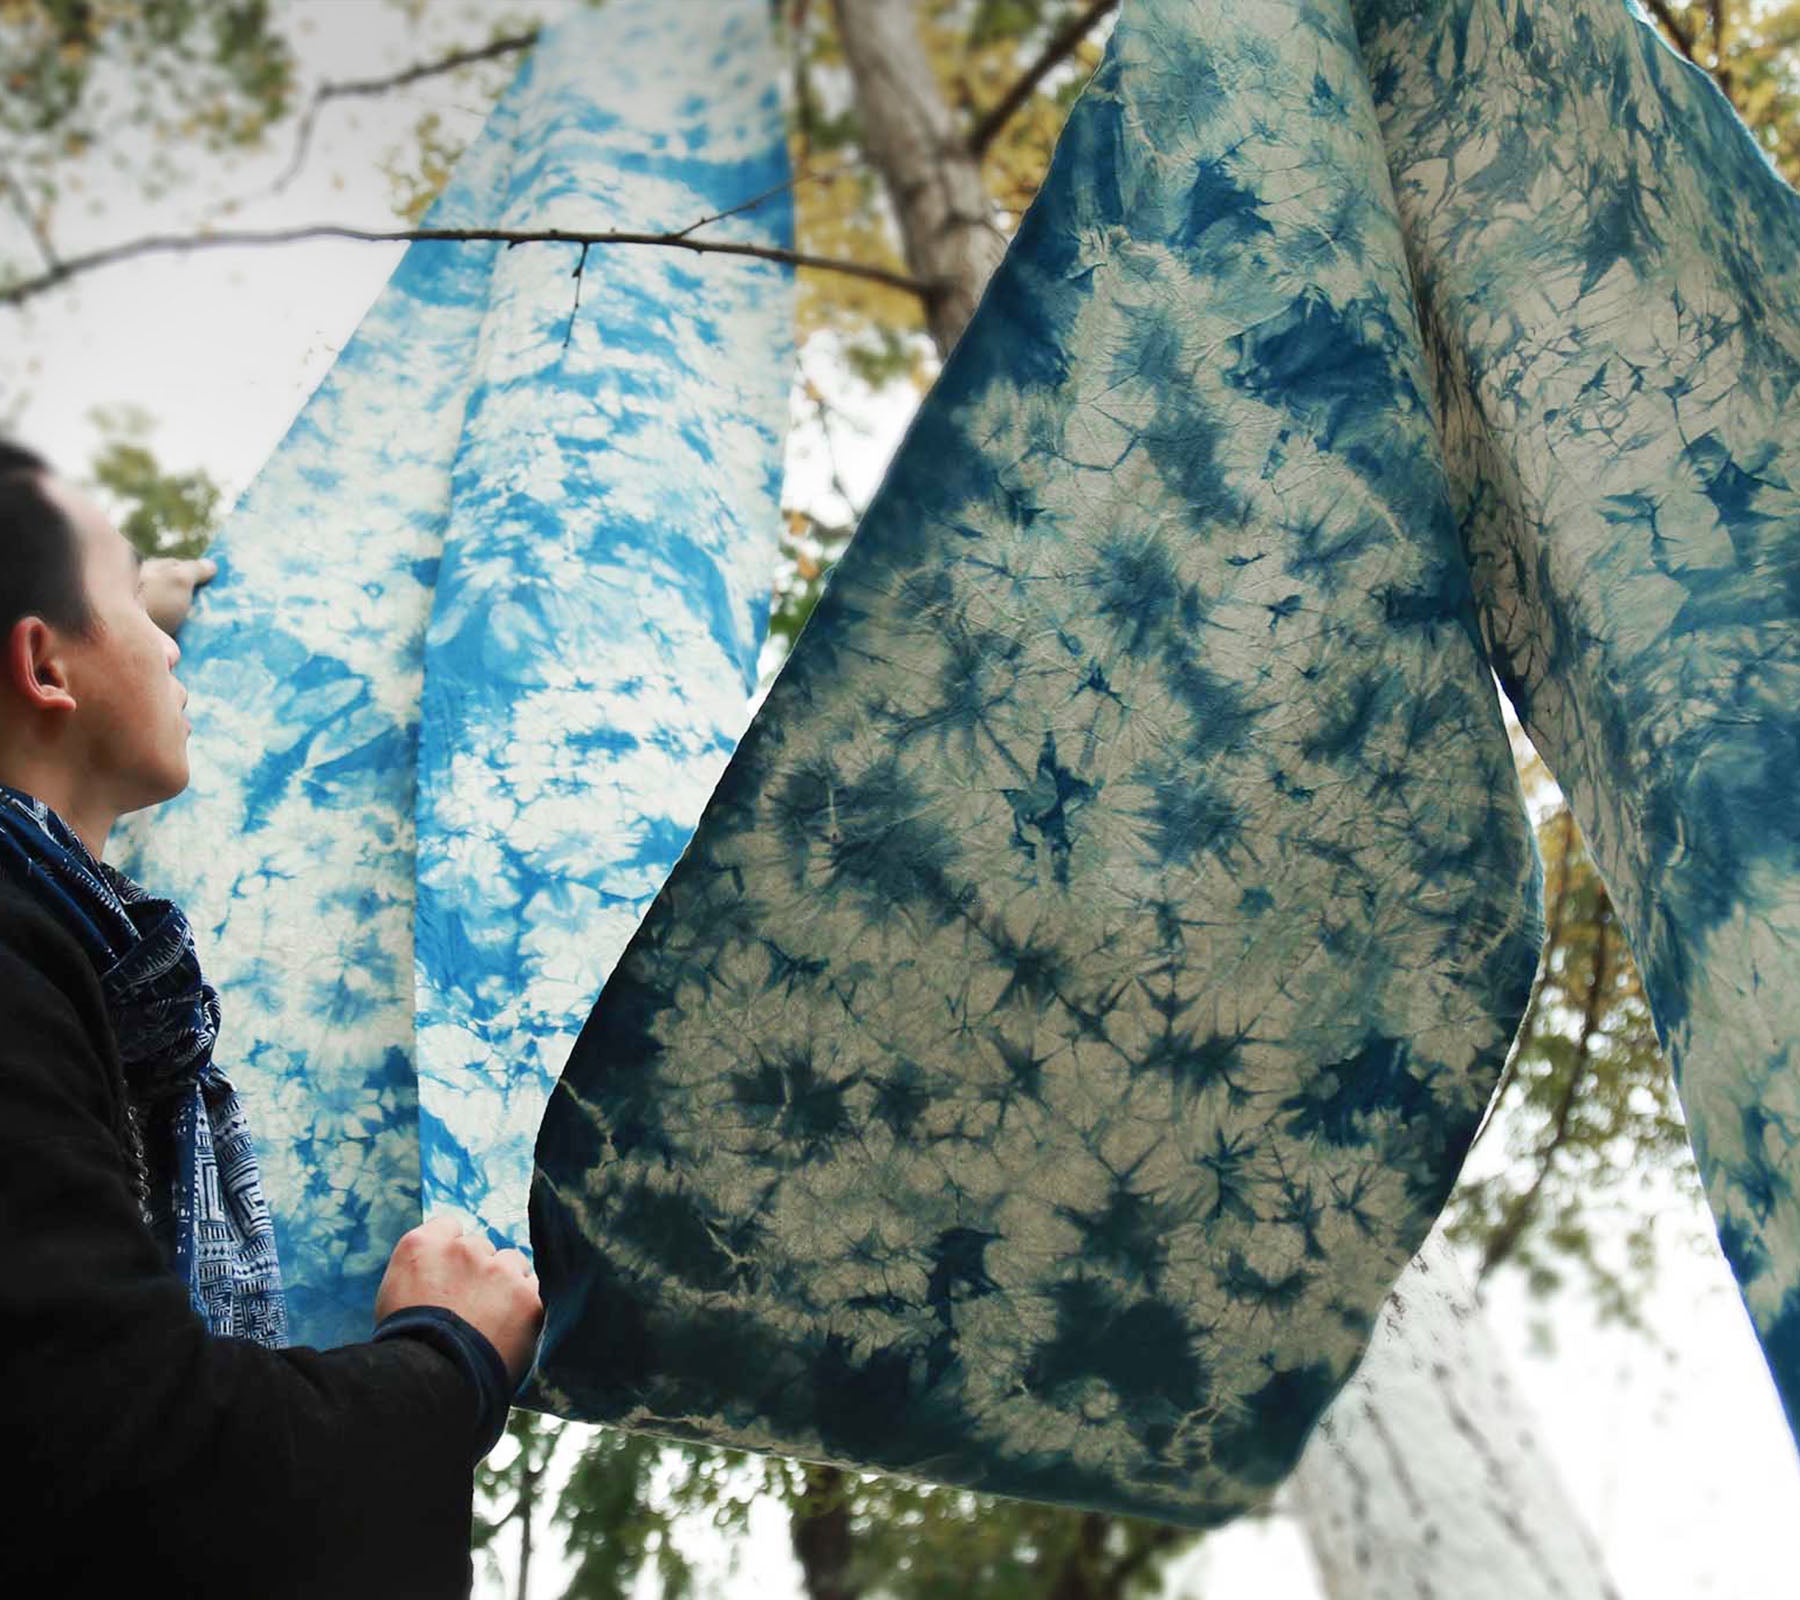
(1081, 991)
(508, 574)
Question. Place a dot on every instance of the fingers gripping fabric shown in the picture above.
(547, 533)
(1082, 988)
(1610, 272)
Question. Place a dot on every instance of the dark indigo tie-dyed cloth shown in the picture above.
(1082, 988)
(198, 1185)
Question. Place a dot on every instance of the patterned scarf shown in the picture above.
(198, 1184)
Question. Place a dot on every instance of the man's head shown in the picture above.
(90, 712)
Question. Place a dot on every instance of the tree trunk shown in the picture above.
(819, 1526)
(1081, 1570)
(932, 177)
(1426, 1479)
(526, 1511)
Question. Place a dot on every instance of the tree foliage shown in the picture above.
(1587, 1111)
(1752, 50)
(163, 513)
(153, 81)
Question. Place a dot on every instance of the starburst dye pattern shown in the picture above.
(1080, 993)
(550, 533)
(1610, 273)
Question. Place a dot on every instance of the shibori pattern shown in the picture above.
(1077, 998)
(1609, 274)
(1083, 986)
(549, 533)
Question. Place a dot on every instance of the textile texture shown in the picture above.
(1082, 989)
(198, 1186)
(1608, 271)
(482, 641)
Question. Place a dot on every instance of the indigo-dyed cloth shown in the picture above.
(482, 640)
(1081, 991)
(1083, 986)
(1608, 272)
(198, 1185)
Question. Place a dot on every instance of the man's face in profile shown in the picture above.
(130, 716)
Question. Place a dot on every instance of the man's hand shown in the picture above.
(495, 1291)
(168, 588)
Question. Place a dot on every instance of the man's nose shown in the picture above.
(172, 650)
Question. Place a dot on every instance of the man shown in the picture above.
(158, 1434)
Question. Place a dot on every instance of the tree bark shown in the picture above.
(1427, 1479)
(823, 1540)
(927, 165)
(527, 1510)
(1078, 1579)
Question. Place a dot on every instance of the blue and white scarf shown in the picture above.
(198, 1183)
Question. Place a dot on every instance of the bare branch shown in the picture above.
(1061, 46)
(1678, 35)
(1715, 11)
(823, 411)
(180, 244)
(33, 225)
(575, 310)
(802, 174)
(511, 44)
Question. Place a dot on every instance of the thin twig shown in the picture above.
(1715, 11)
(30, 218)
(580, 267)
(1061, 46)
(1678, 35)
(822, 411)
(802, 174)
(364, 87)
(176, 244)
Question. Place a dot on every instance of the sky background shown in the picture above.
(1677, 1457)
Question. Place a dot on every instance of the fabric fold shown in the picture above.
(1082, 988)
(1609, 272)
(481, 640)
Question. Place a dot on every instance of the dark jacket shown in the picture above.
(146, 1455)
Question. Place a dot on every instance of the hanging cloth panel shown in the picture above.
(1083, 987)
(1609, 270)
(605, 594)
(581, 507)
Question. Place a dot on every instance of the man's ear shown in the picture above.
(34, 668)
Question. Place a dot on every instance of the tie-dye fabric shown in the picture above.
(1080, 993)
(1609, 272)
(508, 574)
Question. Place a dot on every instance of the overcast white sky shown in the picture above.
(1682, 1466)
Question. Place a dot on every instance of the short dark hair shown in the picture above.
(40, 554)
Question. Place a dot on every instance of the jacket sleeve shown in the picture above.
(138, 1442)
